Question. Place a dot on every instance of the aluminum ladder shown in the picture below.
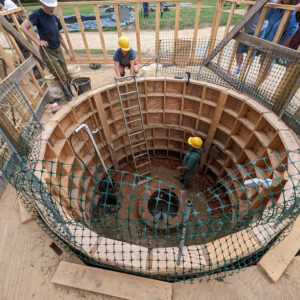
(134, 124)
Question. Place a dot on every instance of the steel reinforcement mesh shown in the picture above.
(182, 58)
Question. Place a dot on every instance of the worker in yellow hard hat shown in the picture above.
(124, 57)
(190, 162)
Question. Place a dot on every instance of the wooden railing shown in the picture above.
(17, 72)
(108, 40)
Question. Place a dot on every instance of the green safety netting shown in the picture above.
(144, 226)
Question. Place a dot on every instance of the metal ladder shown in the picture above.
(138, 131)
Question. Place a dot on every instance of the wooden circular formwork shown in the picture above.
(239, 127)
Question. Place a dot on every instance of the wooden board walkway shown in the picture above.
(277, 259)
(111, 283)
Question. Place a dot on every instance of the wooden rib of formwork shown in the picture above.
(172, 110)
(247, 113)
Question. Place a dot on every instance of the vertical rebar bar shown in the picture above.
(157, 59)
(186, 216)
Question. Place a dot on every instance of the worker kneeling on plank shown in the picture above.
(124, 57)
(49, 26)
(190, 162)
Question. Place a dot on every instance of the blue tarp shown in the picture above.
(89, 21)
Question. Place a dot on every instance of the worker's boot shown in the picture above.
(69, 88)
(179, 178)
(67, 91)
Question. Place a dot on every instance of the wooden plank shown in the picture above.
(62, 21)
(269, 5)
(8, 61)
(116, 10)
(213, 127)
(105, 127)
(18, 26)
(216, 23)
(138, 34)
(241, 24)
(11, 11)
(256, 33)
(18, 36)
(21, 71)
(24, 215)
(100, 31)
(22, 58)
(176, 28)
(258, 43)
(111, 283)
(228, 24)
(277, 259)
(86, 45)
(196, 27)
(224, 74)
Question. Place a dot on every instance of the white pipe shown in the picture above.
(258, 182)
(84, 126)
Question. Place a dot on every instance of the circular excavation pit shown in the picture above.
(242, 140)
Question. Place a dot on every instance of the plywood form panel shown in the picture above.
(191, 106)
(173, 103)
(233, 105)
(174, 87)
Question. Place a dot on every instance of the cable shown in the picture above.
(70, 140)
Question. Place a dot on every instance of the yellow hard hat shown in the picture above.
(195, 142)
(123, 43)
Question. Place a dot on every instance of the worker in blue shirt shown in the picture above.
(49, 26)
(124, 57)
(274, 17)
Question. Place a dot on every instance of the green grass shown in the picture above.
(93, 51)
(187, 19)
(187, 16)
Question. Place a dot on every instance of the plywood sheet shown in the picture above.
(111, 283)
(276, 260)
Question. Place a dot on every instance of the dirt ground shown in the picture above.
(111, 37)
(137, 232)
(27, 263)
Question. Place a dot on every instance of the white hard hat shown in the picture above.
(49, 3)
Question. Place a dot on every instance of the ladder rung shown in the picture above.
(131, 107)
(144, 164)
(132, 121)
(128, 93)
(136, 145)
(124, 77)
(145, 153)
(135, 133)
